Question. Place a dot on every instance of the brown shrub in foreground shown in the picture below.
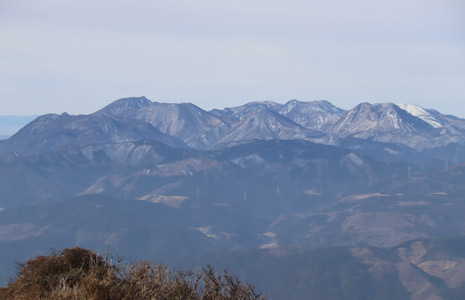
(78, 274)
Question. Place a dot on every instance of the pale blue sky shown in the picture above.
(77, 56)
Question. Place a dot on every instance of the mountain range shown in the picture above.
(137, 118)
(270, 182)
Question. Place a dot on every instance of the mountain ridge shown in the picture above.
(317, 121)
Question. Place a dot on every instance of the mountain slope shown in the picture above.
(186, 121)
(315, 115)
(266, 125)
(418, 269)
(191, 124)
(51, 132)
(238, 113)
(287, 193)
(125, 108)
(387, 122)
(451, 123)
(60, 174)
(135, 229)
(367, 119)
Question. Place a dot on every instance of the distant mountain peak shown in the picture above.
(378, 117)
(125, 104)
(423, 114)
(51, 132)
(264, 114)
(265, 124)
(266, 102)
(234, 114)
(315, 115)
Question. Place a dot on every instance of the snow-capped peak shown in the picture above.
(421, 113)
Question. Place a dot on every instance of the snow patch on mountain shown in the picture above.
(421, 113)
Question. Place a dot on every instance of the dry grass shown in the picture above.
(78, 274)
